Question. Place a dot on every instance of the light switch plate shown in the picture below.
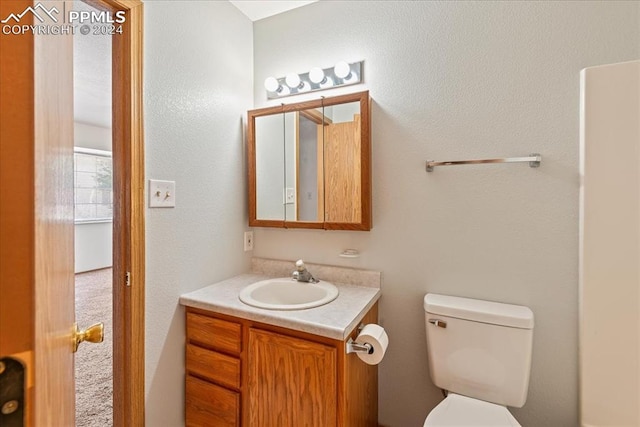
(162, 194)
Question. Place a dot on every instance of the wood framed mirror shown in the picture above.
(309, 164)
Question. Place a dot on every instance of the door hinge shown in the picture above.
(127, 279)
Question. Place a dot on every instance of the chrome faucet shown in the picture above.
(301, 274)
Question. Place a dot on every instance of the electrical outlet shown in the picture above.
(289, 196)
(248, 241)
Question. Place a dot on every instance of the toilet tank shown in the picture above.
(480, 349)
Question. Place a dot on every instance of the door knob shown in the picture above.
(94, 334)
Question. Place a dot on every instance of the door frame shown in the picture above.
(22, 254)
(128, 218)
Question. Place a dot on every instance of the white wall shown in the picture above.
(610, 245)
(290, 161)
(270, 161)
(91, 136)
(93, 246)
(307, 184)
(93, 241)
(197, 88)
(461, 80)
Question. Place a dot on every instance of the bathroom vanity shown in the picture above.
(255, 367)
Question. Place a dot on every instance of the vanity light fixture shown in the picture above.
(293, 81)
(316, 75)
(342, 74)
(342, 70)
(272, 85)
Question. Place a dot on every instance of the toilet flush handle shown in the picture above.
(439, 323)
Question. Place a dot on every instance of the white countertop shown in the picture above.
(334, 320)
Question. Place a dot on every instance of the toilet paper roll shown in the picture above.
(376, 336)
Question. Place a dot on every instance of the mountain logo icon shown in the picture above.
(34, 10)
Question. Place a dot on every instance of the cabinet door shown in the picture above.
(292, 381)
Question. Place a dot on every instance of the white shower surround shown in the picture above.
(610, 245)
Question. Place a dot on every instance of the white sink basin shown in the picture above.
(287, 294)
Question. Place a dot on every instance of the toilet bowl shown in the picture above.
(461, 411)
(480, 353)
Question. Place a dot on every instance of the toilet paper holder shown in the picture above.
(354, 347)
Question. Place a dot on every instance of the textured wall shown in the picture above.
(197, 87)
(458, 80)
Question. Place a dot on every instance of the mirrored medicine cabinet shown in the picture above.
(309, 164)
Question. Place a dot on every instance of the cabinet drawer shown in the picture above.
(214, 366)
(211, 405)
(219, 334)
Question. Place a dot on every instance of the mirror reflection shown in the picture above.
(309, 166)
(269, 170)
(305, 170)
(342, 172)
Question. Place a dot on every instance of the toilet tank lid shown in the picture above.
(496, 313)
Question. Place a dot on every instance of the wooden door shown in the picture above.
(342, 171)
(292, 381)
(36, 215)
(54, 230)
(37, 279)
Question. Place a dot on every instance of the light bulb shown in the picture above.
(327, 82)
(303, 87)
(316, 75)
(351, 77)
(271, 84)
(342, 70)
(293, 80)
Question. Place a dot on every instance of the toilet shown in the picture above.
(480, 354)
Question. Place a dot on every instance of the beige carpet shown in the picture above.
(94, 367)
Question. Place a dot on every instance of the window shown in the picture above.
(93, 185)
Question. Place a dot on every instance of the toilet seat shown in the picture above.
(462, 411)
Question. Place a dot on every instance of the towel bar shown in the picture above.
(534, 160)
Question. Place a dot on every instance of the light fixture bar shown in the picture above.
(342, 74)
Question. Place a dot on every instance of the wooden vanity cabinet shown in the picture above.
(213, 366)
(298, 375)
(245, 373)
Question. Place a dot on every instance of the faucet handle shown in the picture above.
(300, 265)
